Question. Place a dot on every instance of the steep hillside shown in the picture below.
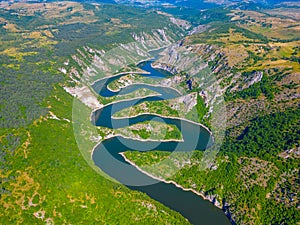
(238, 73)
(43, 176)
(254, 60)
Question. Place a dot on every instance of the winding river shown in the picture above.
(108, 158)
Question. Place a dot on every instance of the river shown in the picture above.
(108, 158)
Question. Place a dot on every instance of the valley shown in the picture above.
(230, 70)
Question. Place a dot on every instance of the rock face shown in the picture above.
(248, 80)
(85, 95)
(113, 61)
(165, 67)
(92, 64)
(199, 29)
(189, 101)
(190, 65)
(178, 22)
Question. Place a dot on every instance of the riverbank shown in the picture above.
(118, 74)
(168, 117)
(202, 208)
(202, 195)
(168, 181)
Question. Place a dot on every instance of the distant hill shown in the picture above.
(196, 4)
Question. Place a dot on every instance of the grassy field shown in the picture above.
(46, 179)
(255, 172)
(46, 176)
(249, 173)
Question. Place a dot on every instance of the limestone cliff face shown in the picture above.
(207, 68)
(190, 63)
(89, 65)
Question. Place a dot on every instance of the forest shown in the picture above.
(44, 177)
(248, 168)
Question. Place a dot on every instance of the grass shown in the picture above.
(54, 180)
(171, 108)
(257, 184)
(151, 130)
(47, 173)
